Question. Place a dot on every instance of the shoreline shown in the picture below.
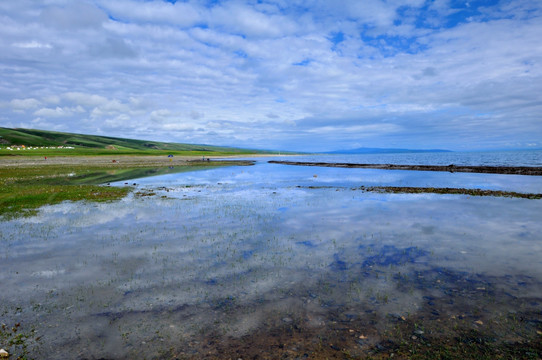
(121, 161)
(507, 170)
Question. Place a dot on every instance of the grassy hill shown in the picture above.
(102, 145)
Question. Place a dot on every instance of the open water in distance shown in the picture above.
(479, 158)
(250, 261)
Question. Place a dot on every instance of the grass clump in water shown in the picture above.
(24, 190)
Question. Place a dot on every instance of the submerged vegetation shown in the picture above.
(23, 190)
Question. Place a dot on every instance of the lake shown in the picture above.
(276, 261)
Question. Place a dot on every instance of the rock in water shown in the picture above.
(4, 353)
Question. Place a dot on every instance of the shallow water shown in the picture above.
(240, 261)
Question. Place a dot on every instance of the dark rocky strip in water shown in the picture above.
(513, 170)
(427, 190)
(457, 191)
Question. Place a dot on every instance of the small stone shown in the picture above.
(4, 353)
(479, 322)
(362, 336)
(539, 332)
(287, 320)
(414, 337)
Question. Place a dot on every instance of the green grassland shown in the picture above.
(94, 145)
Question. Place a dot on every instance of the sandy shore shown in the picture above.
(106, 160)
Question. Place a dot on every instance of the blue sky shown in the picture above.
(311, 75)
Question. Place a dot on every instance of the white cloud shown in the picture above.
(112, 47)
(24, 104)
(242, 19)
(52, 99)
(58, 112)
(73, 15)
(32, 45)
(247, 72)
(180, 13)
(85, 99)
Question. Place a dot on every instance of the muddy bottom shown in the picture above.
(471, 319)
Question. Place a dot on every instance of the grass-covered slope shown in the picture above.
(104, 144)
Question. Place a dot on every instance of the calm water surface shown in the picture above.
(478, 158)
(249, 261)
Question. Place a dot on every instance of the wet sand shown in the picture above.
(512, 170)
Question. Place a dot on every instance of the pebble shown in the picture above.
(4, 353)
(287, 320)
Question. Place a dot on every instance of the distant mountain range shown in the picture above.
(364, 150)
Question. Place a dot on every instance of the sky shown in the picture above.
(314, 75)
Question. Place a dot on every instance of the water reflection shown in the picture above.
(235, 264)
(106, 175)
(279, 176)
